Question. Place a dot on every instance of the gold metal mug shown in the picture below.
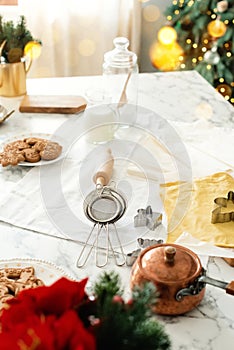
(13, 79)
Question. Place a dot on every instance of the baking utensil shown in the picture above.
(143, 243)
(178, 275)
(146, 217)
(222, 202)
(4, 114)
(103, 206)
(146, 242)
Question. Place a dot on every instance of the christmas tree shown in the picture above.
(203, 38)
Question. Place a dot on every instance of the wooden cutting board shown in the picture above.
(63, 104)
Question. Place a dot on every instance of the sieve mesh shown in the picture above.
(104, 209)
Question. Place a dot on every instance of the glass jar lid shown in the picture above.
(120, 56)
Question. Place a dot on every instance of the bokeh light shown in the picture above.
(216, 28)
(151, 13)
(166, 58)
(167, 35)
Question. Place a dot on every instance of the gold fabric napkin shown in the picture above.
(188, 208)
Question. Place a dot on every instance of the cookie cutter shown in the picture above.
(222, 202)
(131, 257)
(143, 243)
(146, 217)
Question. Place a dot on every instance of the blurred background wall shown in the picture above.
(139, 20)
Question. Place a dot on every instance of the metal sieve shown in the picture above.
(103, 206)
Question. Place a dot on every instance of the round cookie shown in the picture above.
(40, 145)
(31, 155)
(51, 151)
(33, 140)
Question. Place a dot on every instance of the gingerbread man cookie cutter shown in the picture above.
(221, 202)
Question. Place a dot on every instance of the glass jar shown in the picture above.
(120, 73)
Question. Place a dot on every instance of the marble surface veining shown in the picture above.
(175, 96)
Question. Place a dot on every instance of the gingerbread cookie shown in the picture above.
(40, 145)
(11, 158)
(51, 151)
(16, 145)
(14, 280)
(33, 140)
(31, 155)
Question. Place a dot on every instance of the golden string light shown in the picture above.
(190, 3)
(225, 90)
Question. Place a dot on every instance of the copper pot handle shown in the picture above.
(200, 283)
(229, 287)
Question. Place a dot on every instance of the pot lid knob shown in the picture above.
(169, 256)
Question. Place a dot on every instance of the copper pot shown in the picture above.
(178, 276)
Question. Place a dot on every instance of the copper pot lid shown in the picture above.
(169, 263)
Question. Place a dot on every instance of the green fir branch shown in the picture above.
(127, 325)
(16, 37)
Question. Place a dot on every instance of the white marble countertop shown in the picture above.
(188, 103)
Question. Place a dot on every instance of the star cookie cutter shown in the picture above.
(222, 202)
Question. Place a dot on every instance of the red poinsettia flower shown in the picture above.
(55, 299)
(45, 318)
(32, 333)
(71, 331)
(59, 297)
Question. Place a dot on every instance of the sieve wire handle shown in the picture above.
(104, 173)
